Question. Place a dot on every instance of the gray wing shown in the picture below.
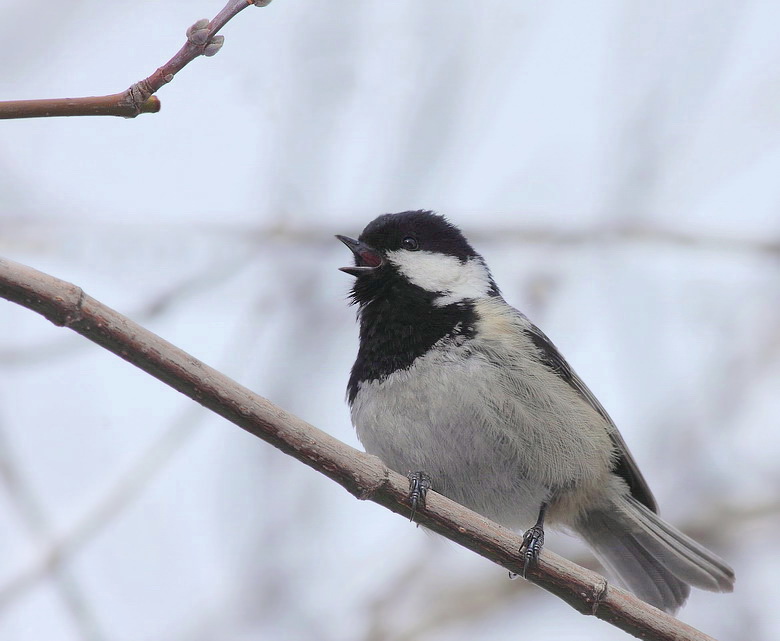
(625, 465)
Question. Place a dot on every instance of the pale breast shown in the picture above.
(496, 431)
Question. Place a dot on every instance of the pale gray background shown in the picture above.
(617, 164)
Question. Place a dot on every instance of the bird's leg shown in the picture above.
(419, 484)
(533, 540)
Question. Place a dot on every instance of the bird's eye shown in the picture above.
(410, 243)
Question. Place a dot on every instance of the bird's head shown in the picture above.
(416, 252)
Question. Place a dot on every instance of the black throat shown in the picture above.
(401, 324)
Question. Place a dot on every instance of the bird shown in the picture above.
(460, 390)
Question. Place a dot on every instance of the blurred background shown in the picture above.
(617, 165)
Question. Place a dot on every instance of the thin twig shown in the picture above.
(138, 98)
(363, 475)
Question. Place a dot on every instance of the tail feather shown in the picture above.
(651, 558)
(687, 560)
(629, 561)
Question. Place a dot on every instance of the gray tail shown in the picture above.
(651, 558)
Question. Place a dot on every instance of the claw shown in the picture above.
(419, 484)
(533, 541)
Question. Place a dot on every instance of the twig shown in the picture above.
(138, 98)
(363, 475)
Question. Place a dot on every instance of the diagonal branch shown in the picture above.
(362, 475)
(138, 98)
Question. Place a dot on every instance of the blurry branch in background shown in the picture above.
(515, 235)
(138, 98)
(161, 301)
(44, 234)
(362, 475)
(62, 547)
(40, 529)
(45, 231)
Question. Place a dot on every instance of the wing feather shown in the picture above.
(625, 465)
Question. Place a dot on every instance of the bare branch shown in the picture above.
(363, 475)
(138, 98)
(115, 104)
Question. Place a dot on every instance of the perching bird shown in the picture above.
(457, 387)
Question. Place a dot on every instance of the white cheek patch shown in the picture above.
(456, 281)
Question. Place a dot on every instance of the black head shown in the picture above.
(416, 250)
(417, 231)
(417, 279)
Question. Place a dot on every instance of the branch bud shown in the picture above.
(214, 45)
(198, 33)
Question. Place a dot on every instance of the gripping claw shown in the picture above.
(419, 484)
(533, 541)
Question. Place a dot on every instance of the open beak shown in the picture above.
(366, 258)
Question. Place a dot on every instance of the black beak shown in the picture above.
(367, 259)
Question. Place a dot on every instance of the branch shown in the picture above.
(138, 98)
(362, 475)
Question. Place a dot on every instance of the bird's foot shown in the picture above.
(419, 484)
(533, 541)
